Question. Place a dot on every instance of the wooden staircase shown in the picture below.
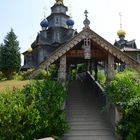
(85, 120)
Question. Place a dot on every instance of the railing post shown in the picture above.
(96, 70)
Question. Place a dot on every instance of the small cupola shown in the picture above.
(121, 33)
(70, 23)
(44, 24)
(29, 50)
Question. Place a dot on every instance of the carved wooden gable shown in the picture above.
(102, 43)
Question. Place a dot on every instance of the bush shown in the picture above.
(17, 120)
(27, 73)
(101, 78)
(73, 74)
(18, 76)
(81, 68)
(42, 75)
(33, 112)
(53, 71)
(2, 76)
(124, 92)
(49, 98)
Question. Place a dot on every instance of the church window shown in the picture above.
(57, 9)
(56, 21)
(57, 37)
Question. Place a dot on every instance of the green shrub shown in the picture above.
(73, 74)
(81, 68)
(48, 97)
(27, 73)
(124, 92)
(75, 70)
(42, 75)
(18, 76)
(2, 76)
(34, 112)
(17, 120)
(101, 77)
(129, 125)
(53, 71)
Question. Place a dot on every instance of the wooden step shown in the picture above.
(84, 116)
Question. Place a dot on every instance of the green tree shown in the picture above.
(9, 55)
(1, 45)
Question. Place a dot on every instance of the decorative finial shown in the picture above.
(121, 33)
(70, 10)
(86, 21)
(30, 39)
(120, 14)
(59, 1)
(44, 11)
(86, 12)
(29, 50)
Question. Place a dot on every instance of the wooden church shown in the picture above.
(58, 43)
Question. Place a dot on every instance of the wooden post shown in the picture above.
(88, 65)
(96, 70)
(91, 63)
(62, 69)
(109, 66)
(106, 67)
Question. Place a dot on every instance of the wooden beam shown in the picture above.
(80, 53)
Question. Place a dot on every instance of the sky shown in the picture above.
(24, 16)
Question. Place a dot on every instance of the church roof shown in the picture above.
(54, 14)
(86, 32)
(27, 66)
(122, 43)
(60, 5)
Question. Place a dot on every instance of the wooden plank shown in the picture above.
(80, 53)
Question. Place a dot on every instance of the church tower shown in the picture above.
(57, 29)
(57, 23)
(126, 46)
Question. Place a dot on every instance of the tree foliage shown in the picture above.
(101, 78)
(51, 73)
(34, 112)
(124, 92)
(9, 55)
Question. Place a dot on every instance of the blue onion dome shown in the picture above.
(44, 23)
(70, 22)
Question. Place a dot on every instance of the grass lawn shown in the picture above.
(12, 84)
